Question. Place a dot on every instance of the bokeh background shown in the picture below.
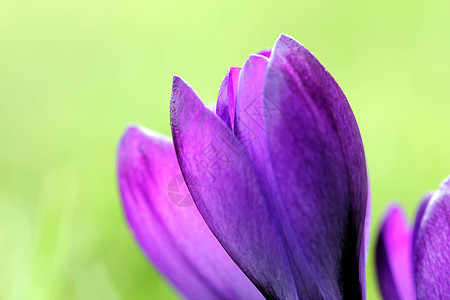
(73, 74)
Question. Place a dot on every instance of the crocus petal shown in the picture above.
(250, 130)
(230, 199)
(319, 163)
(249, 124)
(167, 224)
(432, 247)
(225, 107)
(394, 257)
(265, 52)
(419, 215)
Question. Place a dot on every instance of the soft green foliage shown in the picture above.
(73, 74)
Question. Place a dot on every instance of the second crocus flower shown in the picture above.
(414, 262)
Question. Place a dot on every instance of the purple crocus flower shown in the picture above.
(278, 177)
(414, 263)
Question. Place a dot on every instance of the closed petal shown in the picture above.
(250, 130)
(167, 225)
(394, 257)
(249, 124)
(432, 247)
(225, 107)
(230, 199)
(319, 165)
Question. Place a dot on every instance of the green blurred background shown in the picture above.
(73, 74)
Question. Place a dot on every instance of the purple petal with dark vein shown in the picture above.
(319, 163)
(419, 216)
(225, 107)
(394, 257)
(167, 225)
(432, 250)
(250, 130)
(230, 197)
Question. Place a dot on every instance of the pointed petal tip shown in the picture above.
(130, 131)
(182, 97)
(394, 257)
(253, 60)
(129, 144)
(176, 78)
(134, 129)
(181, 89)
(287, 39)
(394, 208)
(393, 214)
(177, 81)
(284, 36)
(282, 39)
